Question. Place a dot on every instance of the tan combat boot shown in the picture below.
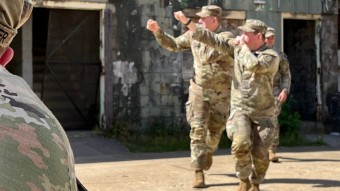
(199, 179)
(244, 185)
(208, 161)
(255, 187)
(273, 157)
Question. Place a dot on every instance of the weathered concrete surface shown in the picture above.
(105, 165)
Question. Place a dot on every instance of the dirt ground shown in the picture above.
(105, 165)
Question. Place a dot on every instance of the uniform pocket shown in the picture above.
(230, 126)
(189, 113)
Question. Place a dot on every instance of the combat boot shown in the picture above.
(273, 157)
(208, 161)
(199, 179)
(255, 187)
(244, 185)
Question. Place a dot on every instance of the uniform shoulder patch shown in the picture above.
(267, 58)
(270, 52)
(283, 56)
(227, 34)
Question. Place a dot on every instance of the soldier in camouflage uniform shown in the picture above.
(281, 87)
(35, 153)
(251, 121)
(209, 92)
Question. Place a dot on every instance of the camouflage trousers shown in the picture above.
(251, 138)
(207, 118)
(276, 141)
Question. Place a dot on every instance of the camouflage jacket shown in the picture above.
(35, 153)
(282, 78)
(251, 90)
(213, 69)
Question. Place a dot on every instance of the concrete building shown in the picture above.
(93, 62)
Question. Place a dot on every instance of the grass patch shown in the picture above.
(158, 144)
(157, 138)
(166, 143)
(161, 137)
(293, 141)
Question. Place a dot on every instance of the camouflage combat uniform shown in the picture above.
(282, 81)
(209, 92)
(250, 124)
(35, 153)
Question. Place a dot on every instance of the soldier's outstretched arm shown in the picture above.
(223, 42)
(167, 41)
(285, 77)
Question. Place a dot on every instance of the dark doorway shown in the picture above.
(66, 64)
(299, 45)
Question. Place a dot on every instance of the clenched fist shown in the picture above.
(179, 15)
(240, 40)
(152, 26)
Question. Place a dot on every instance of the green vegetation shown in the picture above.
(290, 123)
(159, 137)
(162, 137)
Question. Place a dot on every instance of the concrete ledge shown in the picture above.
(331, 140)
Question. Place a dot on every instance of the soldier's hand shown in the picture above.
(282, 96)
(179, 15)
(152, 26)
(239, 40)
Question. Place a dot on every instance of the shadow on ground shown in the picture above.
(89, 147)
(319, 183)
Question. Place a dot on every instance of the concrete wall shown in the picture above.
(150, 83)
(329, 60)
(148, 80)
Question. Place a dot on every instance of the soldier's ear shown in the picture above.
(261, 36)
(7, 56)
(215, 19)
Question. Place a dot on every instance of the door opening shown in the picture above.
(299, 45)
(66, 64)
